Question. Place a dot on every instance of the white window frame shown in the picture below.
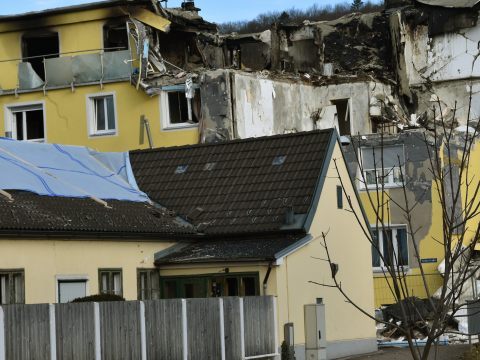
(11, 126)
(92, 129)
(389, 174)
(165, 112)
(394, 229)
(71, 278)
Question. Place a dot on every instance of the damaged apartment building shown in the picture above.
(121, 75)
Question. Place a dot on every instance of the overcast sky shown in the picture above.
(212, 10)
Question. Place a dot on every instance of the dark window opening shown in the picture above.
(343, 116)
(210, 286)
(12, 287)
(28, 124)
(39, 46)
(232, 287)
(249, 286)
(339, 197)
(170, 289)
(178, 107)
(115, 36)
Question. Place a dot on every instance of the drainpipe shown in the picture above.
(265, 280)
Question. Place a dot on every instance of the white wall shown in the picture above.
(266, 107)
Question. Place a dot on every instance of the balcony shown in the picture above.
(70, 71)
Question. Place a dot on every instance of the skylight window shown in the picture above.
(209, 166)
(279, 160)
(181, 169)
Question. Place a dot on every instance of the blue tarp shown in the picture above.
(67, 171)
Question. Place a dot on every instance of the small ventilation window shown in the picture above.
(181, 169)
(209, 166)
(279, 160)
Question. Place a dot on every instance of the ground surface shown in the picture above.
(452, 352)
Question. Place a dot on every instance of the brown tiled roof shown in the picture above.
(242, 186)
(31, 214)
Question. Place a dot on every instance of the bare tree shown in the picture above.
(455, 188)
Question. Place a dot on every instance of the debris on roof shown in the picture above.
(32, 214)
(249, 249)
(244, 192)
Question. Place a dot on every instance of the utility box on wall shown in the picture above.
(315, 335)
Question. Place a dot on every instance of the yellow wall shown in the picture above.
(428, 248)
(43, 260)
(67, 123)
(66, 111)
(350, 250)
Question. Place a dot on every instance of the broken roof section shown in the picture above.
(451, 3)
(67, 171)
(255, 185)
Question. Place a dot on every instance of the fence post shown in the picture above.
(184, 330)
(222, 328)
(143, 331)
(242, 329)
(98, 345)
(275, 324)
(3, 350)
(53, 333)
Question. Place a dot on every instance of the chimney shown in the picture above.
(189, 5)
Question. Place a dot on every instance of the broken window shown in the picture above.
(26, 123)
(391, 243)
(343, 116)
(38, 46)
(148, 282)
(111, 282)
(12, 287)
(382, 166)
(175, 109)
(102, 115)
(115, 36)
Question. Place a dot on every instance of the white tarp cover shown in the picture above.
(67, 171)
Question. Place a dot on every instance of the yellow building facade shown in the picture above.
(83, 95)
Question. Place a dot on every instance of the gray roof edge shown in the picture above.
(334, 139)
(168, 251)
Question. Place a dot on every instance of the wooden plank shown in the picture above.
(259, 330)
(27, 332)
(120, 330)
(233, 343)
(75, 331)
(163, 322)
(203, 318)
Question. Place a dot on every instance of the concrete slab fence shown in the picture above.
(230, 328)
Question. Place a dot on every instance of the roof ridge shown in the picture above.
(234, 141)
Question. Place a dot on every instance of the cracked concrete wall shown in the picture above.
(269, 107)
(418, 183)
